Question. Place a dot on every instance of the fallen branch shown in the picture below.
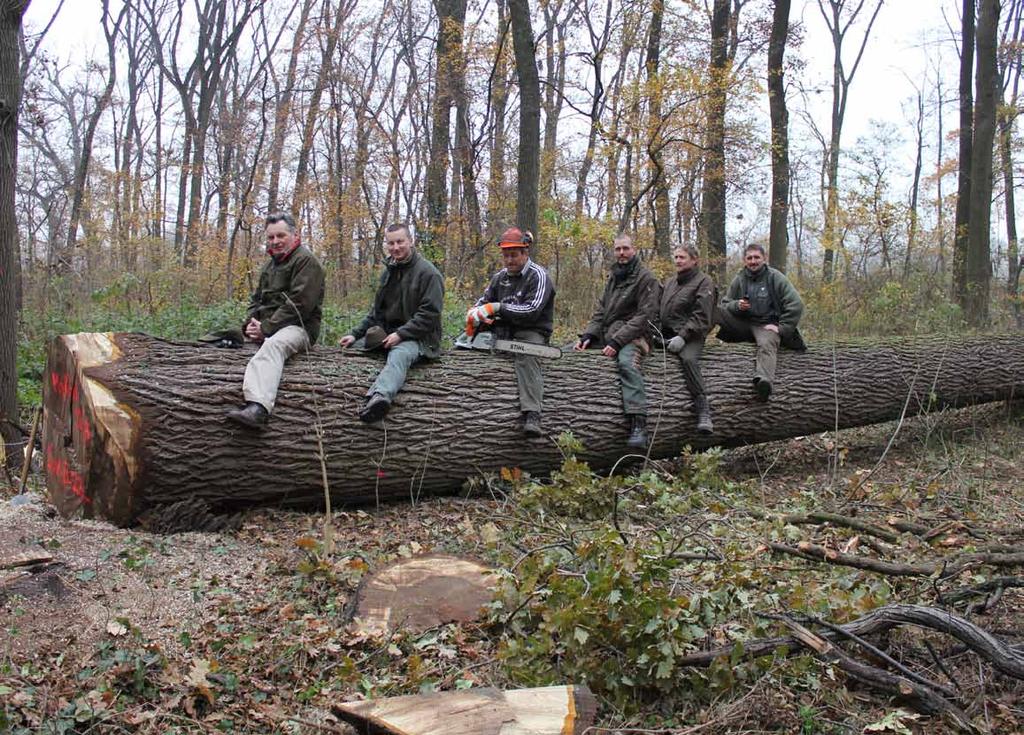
(1004, 658)
(942, 569)
(818, 517)
(923, 698)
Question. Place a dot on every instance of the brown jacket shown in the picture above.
(627, 307)
(688, 305)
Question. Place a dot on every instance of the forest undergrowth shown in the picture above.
(652, 586)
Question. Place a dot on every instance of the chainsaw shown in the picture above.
(488, 342)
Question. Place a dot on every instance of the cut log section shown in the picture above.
(558, 710)
(132, 422)
(423, 592)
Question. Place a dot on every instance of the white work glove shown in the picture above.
(676, 345)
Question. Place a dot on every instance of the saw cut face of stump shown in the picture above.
(423, 592)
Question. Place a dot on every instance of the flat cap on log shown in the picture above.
(134, 423)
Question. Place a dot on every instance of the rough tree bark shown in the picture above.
(451, 17)
(655, 141)
(778, 235)
(966, 149)
(712, 202)
(133, 423)
(974, 298)
(525, 50)
(11, 12)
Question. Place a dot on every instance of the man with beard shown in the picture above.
(621, 327)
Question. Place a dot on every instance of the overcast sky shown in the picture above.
(909, 38)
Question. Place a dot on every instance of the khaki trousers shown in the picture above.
(263, 373)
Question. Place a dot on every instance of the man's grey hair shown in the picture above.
(755, 246)
(623, 237)
(274, 217)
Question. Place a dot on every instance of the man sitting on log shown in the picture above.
(283, 318)
(405, 318)
(763, 307)
(621, 326)
(687, 315)
(519, 304)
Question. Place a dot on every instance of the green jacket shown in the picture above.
(409, 301)
(688, 305)
(290, 293)
(773, 300)
(626, 308)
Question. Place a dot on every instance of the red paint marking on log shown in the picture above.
(61, 384)
(380, 474)
(58, 468)
(81, 424)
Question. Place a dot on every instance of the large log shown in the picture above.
(133, 422)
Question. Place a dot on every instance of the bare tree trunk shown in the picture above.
(966, 137)
(313, 109)
(496, 210)
(712, 205)
(11, 12)
(915, 188)
(841, 80)
(284, 107)
(85, 155)
(778, 232)
(165, 440)
(449, 68)
(556, 53)
(1010, 71)
(655, 145)
(979, 259)
(529, 114)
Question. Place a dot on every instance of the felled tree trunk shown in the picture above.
(133, 422)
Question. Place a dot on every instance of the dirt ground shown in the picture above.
(116, 630)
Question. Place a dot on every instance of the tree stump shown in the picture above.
(133, 422)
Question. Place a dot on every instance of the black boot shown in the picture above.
(703, 408)
(251, 416)
(763, 388)
(637, 432)
(374, 409)
(531, 424)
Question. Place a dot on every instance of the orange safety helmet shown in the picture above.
(513, 237)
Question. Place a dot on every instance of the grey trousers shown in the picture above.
(263, 373)
(392, 377)
(689, 359)
(634, 398)
(734, 329)
(529, 375)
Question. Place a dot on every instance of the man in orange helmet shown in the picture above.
(519, 304)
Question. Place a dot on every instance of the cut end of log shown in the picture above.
(91, 441)
(556, 710)
(423, 592)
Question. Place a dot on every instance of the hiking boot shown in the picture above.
(374, 337)
(637, 432)
(703, 408)
(531, 424)
(251, 416)
(374, 409)
(763, 388)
